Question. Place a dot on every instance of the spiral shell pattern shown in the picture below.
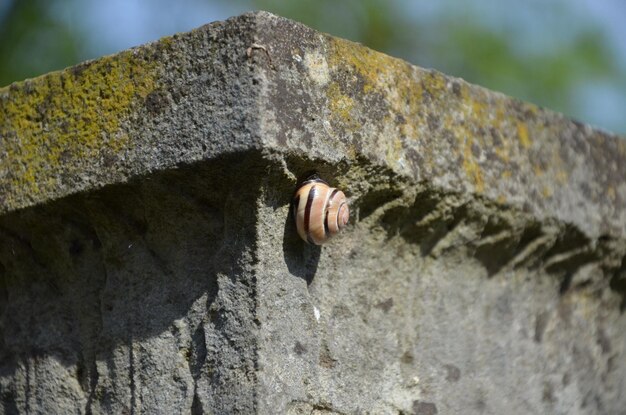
(320, 211)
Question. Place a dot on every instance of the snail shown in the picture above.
(320, 211)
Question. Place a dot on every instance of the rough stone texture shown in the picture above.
(148, 263)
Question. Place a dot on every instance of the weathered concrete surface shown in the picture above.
(148, 264)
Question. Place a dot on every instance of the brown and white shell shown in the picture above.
(320, 211)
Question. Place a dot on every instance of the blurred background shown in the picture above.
(568, 55)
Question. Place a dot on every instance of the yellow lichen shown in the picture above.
(69, 115)
(610, 192)
(375, 68)
(340, 104)
(479, 109)
(522, 133)
(378, 74)
(502, 152)
(547, 191)
(471, 167)
(435, 83)
(426, 105)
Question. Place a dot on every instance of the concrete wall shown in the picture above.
(148, 263)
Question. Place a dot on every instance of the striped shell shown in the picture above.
(320, 211)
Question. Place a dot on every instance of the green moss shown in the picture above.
(426, 105)
(377, 70)
(522, 133)
(378, 76)
(67, 118)
(404, 89)
(374, 67)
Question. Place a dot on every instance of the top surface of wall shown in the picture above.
(260, 81)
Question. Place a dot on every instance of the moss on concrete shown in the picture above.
(76, 113)
(406, 92)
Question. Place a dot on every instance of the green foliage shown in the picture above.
(33, 42)
(548, 77)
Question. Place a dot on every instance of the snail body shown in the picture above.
(320, 211)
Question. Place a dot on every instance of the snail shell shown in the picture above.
(320, 211)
